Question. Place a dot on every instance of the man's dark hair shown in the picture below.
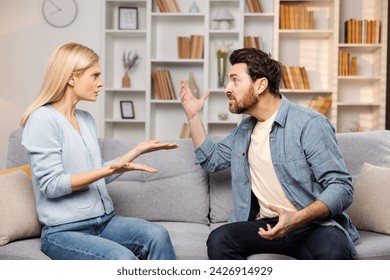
(260, 64)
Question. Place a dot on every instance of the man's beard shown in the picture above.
(249, 99)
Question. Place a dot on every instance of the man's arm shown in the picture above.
(192, 106)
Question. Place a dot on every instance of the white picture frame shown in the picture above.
(128, 18)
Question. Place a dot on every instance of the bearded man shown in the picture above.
(290, 184)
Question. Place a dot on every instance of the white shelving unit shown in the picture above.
(358, 102)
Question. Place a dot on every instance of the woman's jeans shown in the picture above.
(240, 240)
(108, 237)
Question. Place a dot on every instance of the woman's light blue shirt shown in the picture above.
(306, 158)
(55, 151)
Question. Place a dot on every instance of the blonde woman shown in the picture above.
(69, 176)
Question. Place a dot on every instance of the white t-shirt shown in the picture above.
(265, 184)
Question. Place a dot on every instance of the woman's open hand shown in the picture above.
(120, 167)
(154, 145)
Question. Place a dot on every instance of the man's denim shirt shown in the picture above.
(306, 159)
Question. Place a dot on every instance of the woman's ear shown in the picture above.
(71, 81)
(261, 85)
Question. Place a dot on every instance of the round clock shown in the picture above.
(59, 13)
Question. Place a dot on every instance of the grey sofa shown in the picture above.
(190, 203)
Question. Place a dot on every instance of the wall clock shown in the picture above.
(59, 13)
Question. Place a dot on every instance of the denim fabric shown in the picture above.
(108, 237)
(307, 162)
(311, 242)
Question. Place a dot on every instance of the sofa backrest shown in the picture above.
(180, 192)
(359, 147)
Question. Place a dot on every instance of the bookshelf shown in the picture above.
(361, 97)
(357, 101)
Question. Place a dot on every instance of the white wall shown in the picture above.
(26, 43)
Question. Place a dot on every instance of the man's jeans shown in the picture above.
(240, 240)
(108, 237)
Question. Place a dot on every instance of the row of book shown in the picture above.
(168, 6)
(190, 47)
(162, 84)
(362, 31)
(295, 77)
(347, 64)
(255, 6)
(252, 42)
(320, 104)
(296, 17)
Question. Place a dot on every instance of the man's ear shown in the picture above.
(261, 85)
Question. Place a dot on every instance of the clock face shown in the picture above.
(59, 13)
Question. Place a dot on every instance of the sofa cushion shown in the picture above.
(221, 200)
(25, 168)
(370, 207)
(373, 246)
(178, 192)
(16, 155)
(26, 249)
(188, 239)
(18, 216)
(357, 148)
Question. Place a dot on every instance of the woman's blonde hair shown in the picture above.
(68, 60)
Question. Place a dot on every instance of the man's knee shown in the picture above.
(221, 244)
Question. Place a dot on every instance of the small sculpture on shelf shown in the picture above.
(222, 54)
(129, 61)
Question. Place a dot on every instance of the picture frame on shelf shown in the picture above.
(127, 109)
(128, 18)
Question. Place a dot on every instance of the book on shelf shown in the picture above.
(252, 42)
(162, 84)
(190, 47)
(255, 6)
(347, 64)
(168, 6)
(295, 77)
(320, 104)
(362, 31)
(295, 16)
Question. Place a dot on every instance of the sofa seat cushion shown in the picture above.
(26, 249)
(178, 192)
(188, 239)
(373, 246)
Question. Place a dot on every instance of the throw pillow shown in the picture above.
(25, 168)
(18, 215)
(370, 207)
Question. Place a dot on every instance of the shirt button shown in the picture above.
(290, 157)
(272, 139)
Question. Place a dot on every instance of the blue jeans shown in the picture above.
(108, 237)
(240, 240)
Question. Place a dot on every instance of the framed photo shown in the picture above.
(127, 110)
(128, 18)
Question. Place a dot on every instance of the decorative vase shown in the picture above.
(222, 60)
(126, 81)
